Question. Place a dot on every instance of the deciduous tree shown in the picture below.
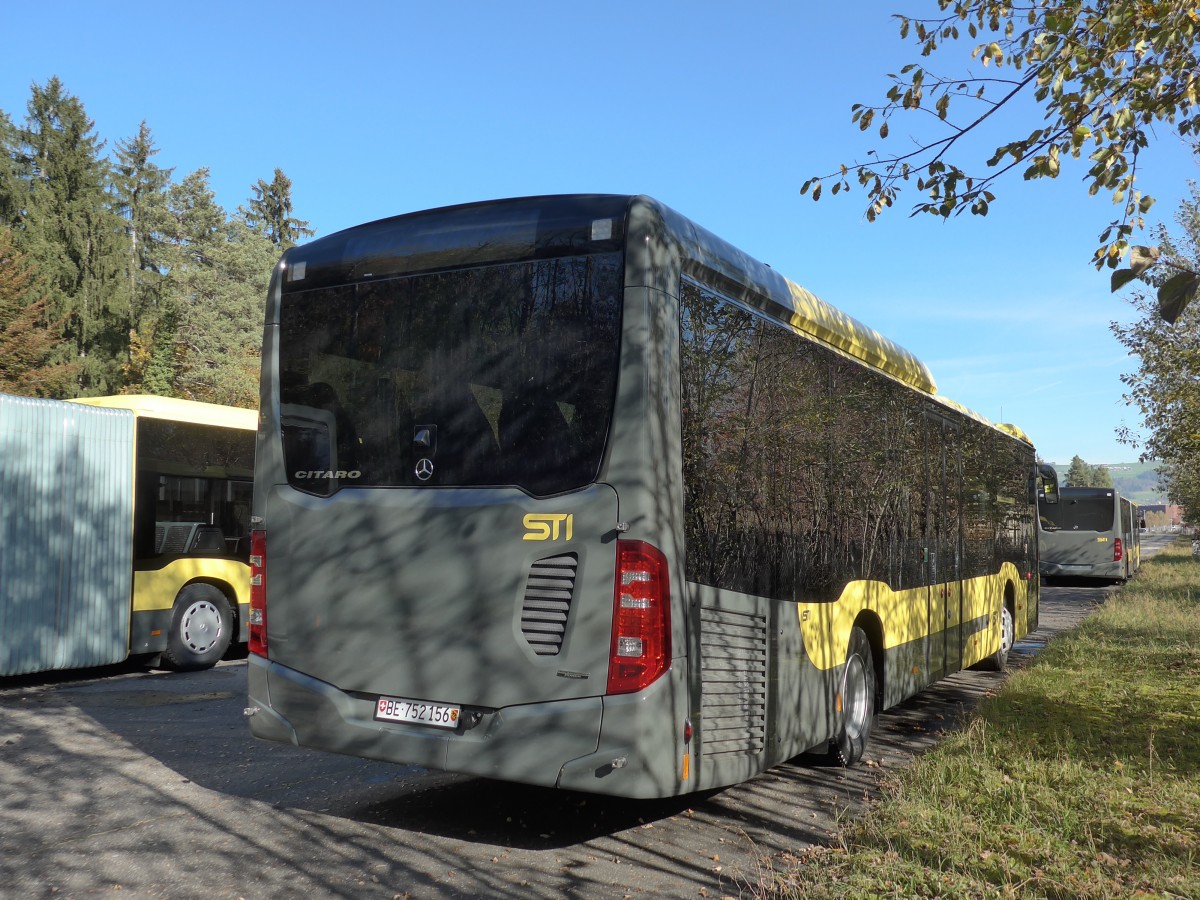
(1166, 386)
(1105, 75)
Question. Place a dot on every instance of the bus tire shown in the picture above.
(856, 702)
(998, 661)
(201, 628)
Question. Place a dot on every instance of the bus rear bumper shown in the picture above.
(1068, 570)
(642, 752)
(528, 744)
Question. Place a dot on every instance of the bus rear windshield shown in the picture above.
(486, 376)
(1078, 514)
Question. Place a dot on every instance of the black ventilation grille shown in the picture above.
(547, 604)
(733, 681)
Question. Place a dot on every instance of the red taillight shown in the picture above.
(258, 593)
(641, 635)
(1118, 550)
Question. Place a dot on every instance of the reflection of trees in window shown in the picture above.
(716, 367)
(1014, 516)
(999, 520)
(513, 364)
(980, 509)
(186, 448)
(802, 470)
(879, 469)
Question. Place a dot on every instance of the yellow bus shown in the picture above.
(128, 520)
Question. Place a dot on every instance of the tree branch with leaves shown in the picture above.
(1165, 388)
(1104, 73)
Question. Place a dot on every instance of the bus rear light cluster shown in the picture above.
(1118, 550)
(257, 643)
(641, 630)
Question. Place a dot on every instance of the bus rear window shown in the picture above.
(1092, 513)
(487, 376)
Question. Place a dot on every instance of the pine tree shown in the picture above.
(71, 231)
(26, 342)
(10, 183)
(1082, 474)
(139, 188)
(270, 213)
(140, 191)
(218, 276)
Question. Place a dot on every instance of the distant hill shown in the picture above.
(1137, 481)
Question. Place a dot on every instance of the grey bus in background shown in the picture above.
(1089, 533)
(569, 491)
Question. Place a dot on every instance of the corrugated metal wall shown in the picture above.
(66, 534)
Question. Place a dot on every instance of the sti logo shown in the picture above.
(548, 526)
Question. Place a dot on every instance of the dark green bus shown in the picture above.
(568, 491)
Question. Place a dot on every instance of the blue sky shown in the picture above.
(376, 109)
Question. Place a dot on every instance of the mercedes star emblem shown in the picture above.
(424, 468)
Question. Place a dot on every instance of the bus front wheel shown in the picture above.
(855, 701)
(201, 628)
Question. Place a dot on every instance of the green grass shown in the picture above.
(1079, 778)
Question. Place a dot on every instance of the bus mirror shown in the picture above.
(1048, 479)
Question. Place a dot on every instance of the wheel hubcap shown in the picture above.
(855, 697)
(1006, 632)
(201, 626)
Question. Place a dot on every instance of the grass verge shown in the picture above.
(1080, 777)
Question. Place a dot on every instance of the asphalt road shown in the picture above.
(146, 784)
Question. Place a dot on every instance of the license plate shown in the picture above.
(397, 709)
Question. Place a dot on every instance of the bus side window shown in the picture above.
(1049, 483)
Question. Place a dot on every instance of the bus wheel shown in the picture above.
(998, 661)
(201, 628)
(856, 702)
